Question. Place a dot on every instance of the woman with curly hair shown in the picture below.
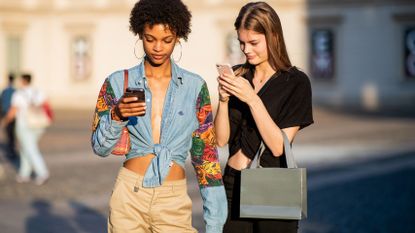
(265, 98)
(175, 118)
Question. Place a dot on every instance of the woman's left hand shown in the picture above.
(239, 87)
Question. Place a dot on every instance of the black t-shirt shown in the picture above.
(287, 97)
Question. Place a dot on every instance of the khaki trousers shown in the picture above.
(135, 209)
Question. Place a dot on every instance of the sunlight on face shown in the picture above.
(158, 43)
(253, 45)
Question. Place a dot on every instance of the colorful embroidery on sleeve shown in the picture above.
(204, 154)
(106, 99)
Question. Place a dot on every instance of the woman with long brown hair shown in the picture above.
(266, 95)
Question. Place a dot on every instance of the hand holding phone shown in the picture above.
(224, 69)
(128, 108)
(136, 92)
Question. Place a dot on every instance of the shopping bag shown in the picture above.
(37, 118)
(274, 193)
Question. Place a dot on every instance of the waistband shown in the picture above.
(231, 171)
(131, 176)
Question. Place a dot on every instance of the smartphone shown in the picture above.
(224, 69)
(136, 92)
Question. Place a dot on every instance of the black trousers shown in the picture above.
(11, 140)
(234, 224)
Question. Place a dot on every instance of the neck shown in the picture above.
(264, 70)
(157, 70)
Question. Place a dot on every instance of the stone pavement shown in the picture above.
(360, 173)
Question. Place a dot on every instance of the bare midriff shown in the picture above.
(139, 165)
(239, 161)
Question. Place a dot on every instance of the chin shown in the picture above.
(156, 62)
(253, 62)
(256, 61)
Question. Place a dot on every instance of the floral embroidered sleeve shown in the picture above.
(206, 163)
(204, 153)
(106, 99)
(105, 131)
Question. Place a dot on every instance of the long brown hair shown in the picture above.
(261, 18)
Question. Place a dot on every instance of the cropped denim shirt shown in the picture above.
(186, 126)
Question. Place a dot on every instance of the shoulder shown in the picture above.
(191, 75)
(116, 76)
(195, 80)
(297, 77)
(115, 81)
(18, 96)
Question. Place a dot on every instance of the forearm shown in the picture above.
(215, 208)
(11, 114)
(106, 135)
(270, 132)
(222, 127)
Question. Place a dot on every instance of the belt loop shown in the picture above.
(137, 185)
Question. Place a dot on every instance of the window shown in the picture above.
(81, 58)
(14, 54)
(409, 47)
(322, 54)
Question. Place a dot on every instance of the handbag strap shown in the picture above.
(289, 155)
(125, 80)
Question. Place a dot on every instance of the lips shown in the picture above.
(157, 57)
(249, 57)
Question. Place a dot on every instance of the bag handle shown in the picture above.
(289, 155)
(125, 80)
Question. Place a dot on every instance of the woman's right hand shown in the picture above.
(128, 107)
(223, 94)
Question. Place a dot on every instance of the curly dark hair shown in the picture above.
(172, 13)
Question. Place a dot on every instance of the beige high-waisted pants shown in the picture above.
(135, 209)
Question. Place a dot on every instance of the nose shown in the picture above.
(157, 46)
(246, 49)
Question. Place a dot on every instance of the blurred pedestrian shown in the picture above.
(6, 98)
(173, 119)
(266, 95)
(31, 160)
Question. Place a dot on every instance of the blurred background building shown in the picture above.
(359, 54)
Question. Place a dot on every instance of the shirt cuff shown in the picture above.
(113, 125)
(214, 229)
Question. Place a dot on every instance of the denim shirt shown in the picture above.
(186, 126)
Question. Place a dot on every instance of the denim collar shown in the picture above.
(176, 73)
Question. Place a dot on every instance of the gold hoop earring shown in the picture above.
(180, 57)
(135, 45)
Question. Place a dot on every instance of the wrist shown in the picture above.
(254, 101)
(115, 115)
(224, 99)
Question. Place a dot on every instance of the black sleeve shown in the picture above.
(297, 110)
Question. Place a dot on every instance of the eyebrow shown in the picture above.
(167, 37)
(251, 41)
